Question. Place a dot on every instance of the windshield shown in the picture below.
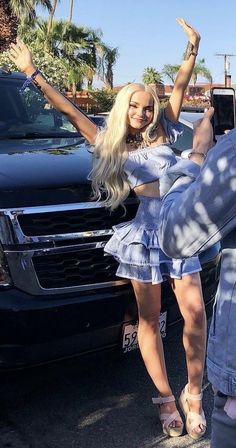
(28, 115)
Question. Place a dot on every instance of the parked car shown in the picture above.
(99, 119)
(187, 119)
(59, 296)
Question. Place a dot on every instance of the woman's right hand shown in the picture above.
(22, 58)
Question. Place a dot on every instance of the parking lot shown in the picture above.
(98, 401)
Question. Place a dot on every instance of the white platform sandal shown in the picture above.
(167, 418)
(193, 419)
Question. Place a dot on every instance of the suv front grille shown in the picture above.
(77, 268)
(73, 221)
(60, 248)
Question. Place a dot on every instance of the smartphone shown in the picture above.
(223, 101)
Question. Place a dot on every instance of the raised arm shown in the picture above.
(184, 74)
(197, 214)
(21, 56)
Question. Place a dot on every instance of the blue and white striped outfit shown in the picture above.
(135, 243)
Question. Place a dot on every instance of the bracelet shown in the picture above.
(29, 79)
(37, 71)
(201, 154)
(190, 49)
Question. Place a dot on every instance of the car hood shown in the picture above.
(45, 168)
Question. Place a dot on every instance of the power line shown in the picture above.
(226, 57)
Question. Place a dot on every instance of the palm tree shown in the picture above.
(108, 60)
(84, 47)
(75, 80)
(89, 72)
(8, 25)
(170, 71)
(64, 40)
(199, 70)
(25, 9)
(151, 76)
(13, 12)
(78, 48)
(51, 15)
(71, 11)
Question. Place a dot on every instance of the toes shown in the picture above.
(175, 424)
(199, 429)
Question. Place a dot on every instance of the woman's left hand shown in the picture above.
(193, 35)
(203, 133)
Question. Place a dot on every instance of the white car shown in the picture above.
(185, 142)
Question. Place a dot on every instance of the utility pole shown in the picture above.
(226, 65)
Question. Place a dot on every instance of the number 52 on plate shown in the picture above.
(130, 334)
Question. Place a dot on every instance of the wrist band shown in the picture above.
(201, 154)
(29, 79)
(191, 49)
(37, 71)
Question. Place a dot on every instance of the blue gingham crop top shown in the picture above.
(148, 164)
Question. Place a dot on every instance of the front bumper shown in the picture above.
(36, 329)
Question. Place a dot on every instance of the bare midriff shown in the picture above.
(151, 189)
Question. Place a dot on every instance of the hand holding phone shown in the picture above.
(223, 101)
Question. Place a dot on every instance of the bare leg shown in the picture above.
(188, 292)
(148, 298)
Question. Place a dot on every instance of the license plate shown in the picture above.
(130, 334)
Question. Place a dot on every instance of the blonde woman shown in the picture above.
(133, 152)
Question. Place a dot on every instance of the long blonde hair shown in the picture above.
(110, 152)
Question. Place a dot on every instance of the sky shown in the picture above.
(147, 34)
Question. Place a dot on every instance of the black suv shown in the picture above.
(59, 295)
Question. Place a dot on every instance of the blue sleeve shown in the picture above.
(195, 214)
(130, 169)
(172, 129)
(182, 167)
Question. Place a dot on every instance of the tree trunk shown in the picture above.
(51, 15)
(8, 25)
(73, 89)
(71, 11)
(109, 78)
(159, 88)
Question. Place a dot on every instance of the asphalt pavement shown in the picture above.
(98, 401)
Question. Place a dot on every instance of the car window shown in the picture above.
(98, 120)
(25, 114)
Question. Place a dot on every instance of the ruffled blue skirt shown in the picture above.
(135, 246)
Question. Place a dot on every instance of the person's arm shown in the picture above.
(196, 214)
(174, 105)
(22, 58)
